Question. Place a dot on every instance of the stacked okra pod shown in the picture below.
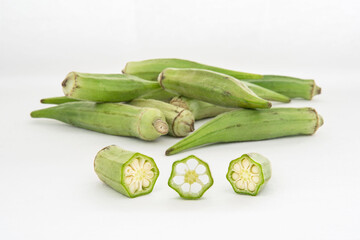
(166, 96)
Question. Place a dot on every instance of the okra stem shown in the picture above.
(179, 120)
(199, 109)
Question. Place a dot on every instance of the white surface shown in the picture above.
(48, 187)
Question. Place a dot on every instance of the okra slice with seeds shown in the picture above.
(130, 173)
(190, 177)
(249, 173)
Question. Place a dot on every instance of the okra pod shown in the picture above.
(190, 177)
(179, 120)
(58, 100)
(251, 125)
(199, 109)
(106, 87)
(130, 173)
(267, 94)
(159, 94)
(150, 69)
(110, 118)
(249, 173)
(209, 86)
(288, 86)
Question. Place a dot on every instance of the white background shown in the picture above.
(48, 189)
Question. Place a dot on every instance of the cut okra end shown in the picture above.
(132, 174)
(249, 173)
(190, 177)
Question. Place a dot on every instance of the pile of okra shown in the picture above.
(158, 97)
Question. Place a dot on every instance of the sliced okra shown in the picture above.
(249, 173)
(132, 174)
(190, 177)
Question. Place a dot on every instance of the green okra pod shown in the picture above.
(106, 87)
(179, 120)
(110, 118)
(209, 86)
(250, 125)
(249, 173)
(199, 109)
(58, 100)
(130, 173)
(288, 86)
(267, 94)
(190, 177)
(159, 94)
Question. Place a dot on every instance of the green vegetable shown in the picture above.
(179, 120)
(150, 69)
(58, 100)
(106, 87)
(111, 118)
(132, 174)
(249, 125)
(266, 93)
(288, 86)
(249, 173)
(212, 87)
(199, 109)
(158, 94)
(190, 177)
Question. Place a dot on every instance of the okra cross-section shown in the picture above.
(190, 177)
(249, 173)
(132, 174)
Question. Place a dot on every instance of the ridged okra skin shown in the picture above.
(179, 120)
(209, 86)
(105, 87)
(150, 69)
(249, 173)
(199, 109)
(58, 100)
(267, 94)
(251, 125)
(190, 177)
(130, 173)
(159, 94)
(288, 86)
(110, 118)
